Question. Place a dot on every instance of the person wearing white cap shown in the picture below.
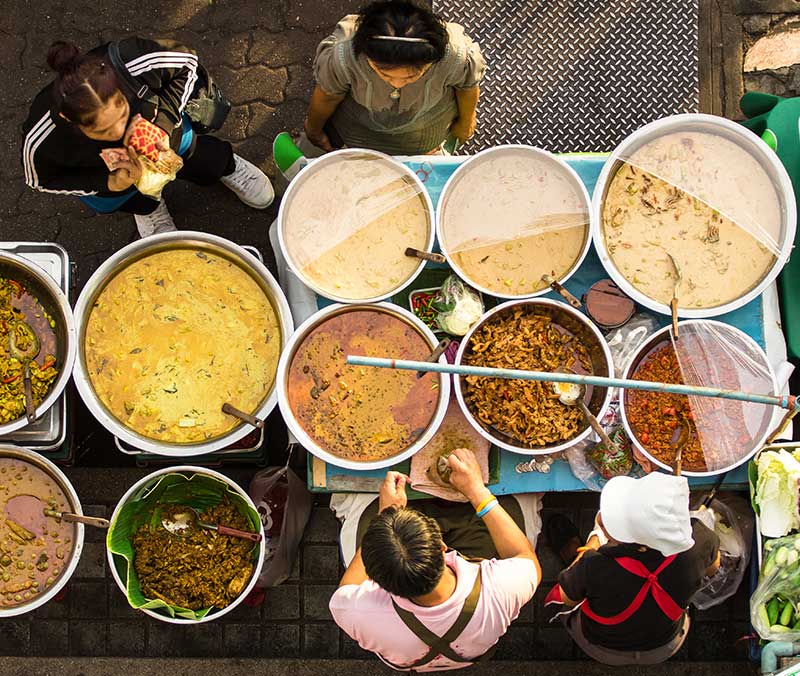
(630, 585)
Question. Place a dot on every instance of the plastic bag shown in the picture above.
(775, 603)
(593, 467)
(459, 306)
(284, 505)
(625, 341)
(733, 523)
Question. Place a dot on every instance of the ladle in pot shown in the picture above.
(673, 304)
(184, 519)
(572, 394)
(25, 356)
(29, 511)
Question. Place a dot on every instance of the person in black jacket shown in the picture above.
(89, 107)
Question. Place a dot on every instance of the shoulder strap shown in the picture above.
(441, 645)
(138, 89)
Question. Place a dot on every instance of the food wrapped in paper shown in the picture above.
(159, 166)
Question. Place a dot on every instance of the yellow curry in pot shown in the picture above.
(174, 336)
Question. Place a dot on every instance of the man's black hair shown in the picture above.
(402, 552)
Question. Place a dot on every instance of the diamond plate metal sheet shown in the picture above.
(579, 75)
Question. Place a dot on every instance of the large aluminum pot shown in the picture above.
(54, 301)
(749, 353)
(296, 428)
(183, 239)
(725, 129)
(570, 321)
(77, 546)
(119, 565)
(299, 190)
(498, 153)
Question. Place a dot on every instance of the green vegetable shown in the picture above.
(773, 609)
(777, 493)
(787, 614)
(779, 629)
(763, 615)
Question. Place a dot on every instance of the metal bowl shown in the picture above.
(726, 129)
(142, 248)
(466, 166)
(296, 190)
(54, 301)
(663, 336)
(119, 565)
(63, 483)
(574, 323)
(297, 429)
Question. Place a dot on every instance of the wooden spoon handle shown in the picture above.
(673, 306)
(95, 521)
(596, 426)
(246, 417)
(438, 351)
(425, 255)
(561, 291)
(233, 532)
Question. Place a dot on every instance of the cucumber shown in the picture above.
(781, 556)
(773, 608)
(763, 616)
(779, 629)
(786, 614)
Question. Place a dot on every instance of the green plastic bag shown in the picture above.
(200, 491)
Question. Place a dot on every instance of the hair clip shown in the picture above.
(399, 38)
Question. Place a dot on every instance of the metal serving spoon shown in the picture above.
(183, 521)
(673, 304)
(571, 394)
(25, 357)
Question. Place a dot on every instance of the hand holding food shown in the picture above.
(465, 474)
(393, 491)
(149, 145)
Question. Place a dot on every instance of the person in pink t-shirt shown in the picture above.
(420, 606)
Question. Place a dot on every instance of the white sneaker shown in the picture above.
(250, 184)
(155, 222)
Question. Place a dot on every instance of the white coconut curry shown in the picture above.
(174, 336)
(511, 217)
(704, 200)
(347, 226)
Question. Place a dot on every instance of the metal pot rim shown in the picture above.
(97, 282)
(296, 429)
(64, 484)
(499, 442)
(70, 349)
(178, 469)
(296, 185)
(752, 144)
(465, 166)
(657, 338)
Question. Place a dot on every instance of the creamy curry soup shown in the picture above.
(705, 201)
(173, 337)
(34, 548)
(510, 218)
(357, 412)
(348, 226)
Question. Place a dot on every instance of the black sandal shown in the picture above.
(560, 532)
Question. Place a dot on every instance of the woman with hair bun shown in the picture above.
(394, 78)
(90, 107)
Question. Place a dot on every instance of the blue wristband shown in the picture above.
(487, 509)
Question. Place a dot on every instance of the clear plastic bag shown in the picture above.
(593, 466)
(778, 589)
(459, 307)
(732, 520)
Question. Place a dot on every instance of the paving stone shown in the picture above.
(88, 600)
(126, 639)
(53, 609)
(551, 564)
(528, 613)
(203, 640)
(323, 526)
(710, 642)
(49, 638)
(235, 127)
(315, 601)
(15, 637)
(516, 644)
(243, 613)
(94, 534)
(92, 563)
(241, 640)
(285, 48)
(118, 606)
(301, 82)
(282, 602)
(87, 638)
(718, 613)
(164, 640)
(321, 562)
(553, 643)
(352, 651)
(321, 641)
(312, 15)
(252, 83)
(281, 640)
(260, 121)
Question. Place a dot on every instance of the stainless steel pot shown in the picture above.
(297, 429)
(200, 241)
(297, 190)
(723, 128)
(756, 356)
(54, 301)
(69, 566)
(586, 333)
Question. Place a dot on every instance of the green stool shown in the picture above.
(777, 121)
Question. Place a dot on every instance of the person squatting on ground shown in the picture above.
(393, 78)
(629, 587)
(410, 595)
(90, 107)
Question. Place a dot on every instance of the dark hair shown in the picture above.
(402, 18)
(402, 552)
(84, 84)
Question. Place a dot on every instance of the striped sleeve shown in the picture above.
(168, 69)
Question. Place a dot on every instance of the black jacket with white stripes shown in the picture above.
(57, 157)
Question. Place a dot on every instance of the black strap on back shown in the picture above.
(441, 645)
(138, 89)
